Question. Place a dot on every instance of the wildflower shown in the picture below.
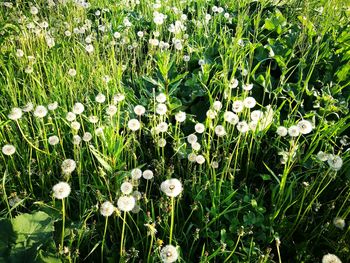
(116, 35)
(134, 124)
(19, 53)
(233, 83)
(34, 10)
(78, 108)
(247, 86)
(282, 131)
(99, 131)
(186, 58)
(89, 48)
(53, 140)
(242, 126)
(70, 116)
(93, 119)
(75, 125)
(339, 222)
(253, 125)
(140, 34)
(161, 98)
(136, 173)
(330, 258)
(171, 187)
(220, 131)
(200, 159)
(201, 62)
(139, 110)
(256, 115)
(237, 106)
(87, 137)
(126, 203)
(169, 254)
(52, 106)
(161, 109)
(192, 157)
(217, 105)
(180, 116)
(249, 102)
(100, 98)
(40, 111)
(199, 128)
(305, 126)
(111, 110)
(214, 164)
(107, 209)
(293, 131)
(68, 166)
(126, 188)
(137, 195)
(335, 162)
(211, 114)
(28, 107)
(161, 142)
(162, 127)
(192, 138)
(147, 174)
(76, 139)
(15, 114)
(322, 156)
(196, 146)
(61, 190)
(8, 149)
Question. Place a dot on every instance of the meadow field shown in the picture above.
(175, 131)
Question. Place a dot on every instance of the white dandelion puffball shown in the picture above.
(200, 159)
(192, 157)
(161, 109)
(68, 166)
(231, 117)
(169, 254)
(256, 115)
(180, 116)
(199, 128)
(171, 187)
(339, 222)
(162, 127)
(233, 83)
(136, 173)
(242, 126)
(126, 188)
(111, 110)
(147, 174)
(8, 149)
(78, 108)
(75, 125)
(15, 114)
(72, 72)
(161, 142)
(61, 190)
(192, 138)
(330, 258)
(305, 126)
(100, 98)
(134, 124)
(196, 146)
(53, 106)
(126, 203)
(214, 164)
(247, 86)
(19, 53)
(89, 48)
(161, 98)
(282, 131)
(76, 139)
(116, 35)
(220, 131)
(28, 107)
(211, 114)
(322, 156)
(249, 102)
(118, 98)
(137, 195)
(293, 131)
(34, 10)
(107, 209)
(53, 140)
(40, 111)
(335, 162)
(70, 116)
(217, 105)
(237, 106)
(87, 137)
(93, 119)
(139, 110)
(136, 209)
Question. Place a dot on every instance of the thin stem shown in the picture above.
(172, 219)
(122, 238)
(104, 238)
(63, 222)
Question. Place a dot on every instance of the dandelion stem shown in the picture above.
(63, 222)
(122, 238)
(104, 238)
(172, 219)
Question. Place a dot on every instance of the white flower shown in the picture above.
(249, 102)
(100, 98)
(116, 35)
(34, 10)
(322, 156)
(196, 146)
(192, 138)
(72, 72)
(293, 131)
(162, 127)
(247, 86)
(147, 174)
(231, 117)
(78, 108)
(282, 131)
(192, 157)
(19, 53)
(75, 125)
(70, 116)
(171, 187)
(214, 164)
(237, 106)
(217, 105)
(53, 106)
(161, 109)
(253, 125)
(330, 258)
(99, 131)
(126, 188)
(137, 195)
(8, 149)
(200, 159)
(40, 111)
(220, 131)
(111, 110)
(180, 116)
(126, 203)
(76, 139)
(134, 124)
(242, 126)
(233, 83)
(93, 119)
(140, 34)
(89, 48)
(169, 254)
(68, 166)
(335, 162)
(87, 137)
(339, 222)
(305, 126)
(161, 142)
(256, 115)
(28, 107)
(161, 98)
(211, 114)
(158, 18)
(53, 140)
(61, 190)
(136, 173)
(15, 114)
(139, 110)
(186, 58)
(199, 128)
(107, 209)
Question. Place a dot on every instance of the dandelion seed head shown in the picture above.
(40, 111)
(78, 108)
(100, 98)
(171, 187)
(15, 114)
(136, 173)
(53, 140)
(161, 109)
(169, 254)
(126, 188)
(147, 174)
(126, 203)
(68, 166)
(139, 110)
(282, 131)
(180, 116)
(61, 190)
(134, 124)
(199, 128)
(8, 149)
(339, 222)
(107, 209)
(330, 258)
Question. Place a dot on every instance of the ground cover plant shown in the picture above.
(174, 131)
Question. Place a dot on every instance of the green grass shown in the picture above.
(247, 196)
